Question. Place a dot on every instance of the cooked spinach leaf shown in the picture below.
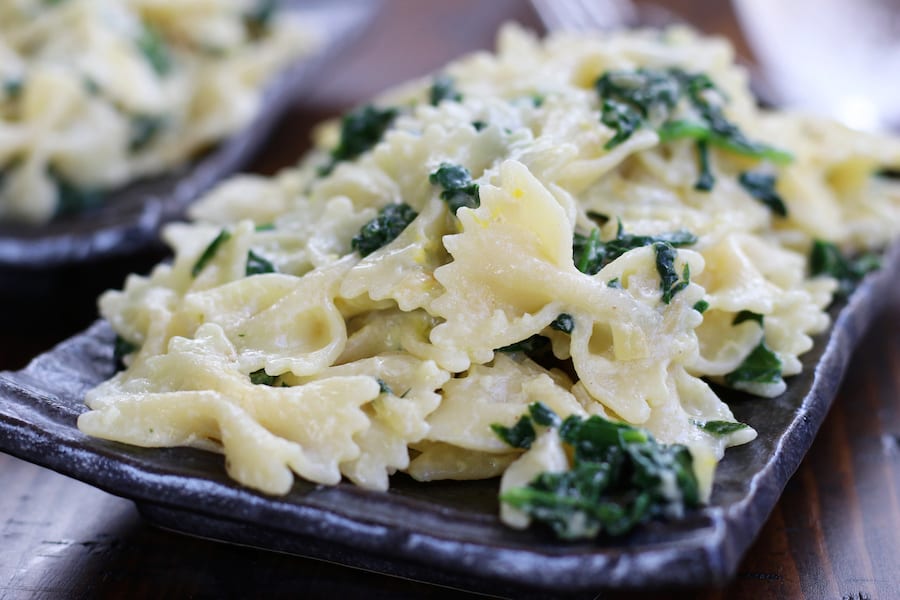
(706, 180)
(144, 128)
(536, 347)
(746, 315)
(258, 19)
(629, 98)
(720, 428)
(73, 199)
(721, 131)
(640, 98)
(665, 266)
(598, 217)
(12, 87)
(826, 259)
(543, 415)
(726, 136)
(762, 187)
(260, 377)
(210, 252)
(384, 228)
(645, 90)
(153, 47)
(91, 86)
(443, 88)
(520, 435)
(361, 130)
(762, 365)
(564, 322)
(701, 306)
(620, 477)
(622, 118)
(257, 265)
(459, 189)
(573, 503)
(383, 387)
(590, 254)
(121, 349)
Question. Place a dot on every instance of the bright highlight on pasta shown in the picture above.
(531, 265)
(97, 93)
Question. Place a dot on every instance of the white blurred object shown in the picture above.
(835, 57)
(581, 15)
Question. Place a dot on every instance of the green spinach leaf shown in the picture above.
(361, 130)
(260, 377)
(762, 187)
(392, 219)
(762, 365)
(257, 265)
(590, 254)
(620, 477)
(720, 428)
(155, 51)
(746, 315)
(520, 435)
(210, 252)
(826, 259)
(443, 88)
(665, 266)
(564, 322)
(459, 189)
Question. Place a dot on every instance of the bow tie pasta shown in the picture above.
(97, 93)
(537, 264)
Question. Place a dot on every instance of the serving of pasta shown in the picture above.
(541, 264)
(98, 93)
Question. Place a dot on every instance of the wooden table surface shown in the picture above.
(835, 533)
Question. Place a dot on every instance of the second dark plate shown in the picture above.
(130, 218)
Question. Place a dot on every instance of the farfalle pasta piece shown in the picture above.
(509, 264)
(513, 273)
(496, 393)
(747, 275)
(397, 416)
(256, 311)
(622, 357)
(403, 270)
(434, 461)
(197, 394)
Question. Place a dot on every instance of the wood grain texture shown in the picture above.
(835, 533)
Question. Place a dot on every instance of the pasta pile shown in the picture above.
(97, 93)
(447, 257)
